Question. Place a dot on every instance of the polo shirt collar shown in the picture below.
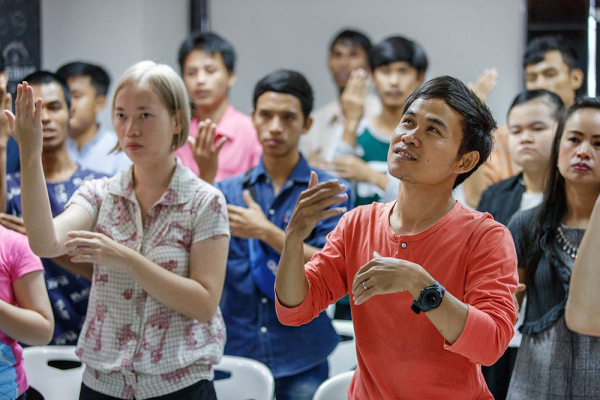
(178, 192)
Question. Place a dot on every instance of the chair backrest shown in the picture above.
(343, 357)
(335, 388)
(249, 379)
(51, 382)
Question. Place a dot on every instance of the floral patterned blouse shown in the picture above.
(133, 345)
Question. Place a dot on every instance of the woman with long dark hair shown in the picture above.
(554, 362)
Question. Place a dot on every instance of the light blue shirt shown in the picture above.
(94, 155)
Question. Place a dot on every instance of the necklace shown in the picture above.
(566, 245)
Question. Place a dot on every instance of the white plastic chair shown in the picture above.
(335, 388)
(249, 379)
(53, 383)
(343, 357)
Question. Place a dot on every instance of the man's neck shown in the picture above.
(214, 113)
(84, 137)
(534, 179)
(419, 207)
(580, 203)
(58, 166)
(280, 168)
(388, 120)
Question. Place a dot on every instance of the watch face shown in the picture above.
(432, 297)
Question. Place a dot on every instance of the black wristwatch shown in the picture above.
(430, 298)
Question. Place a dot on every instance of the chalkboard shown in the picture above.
(20, 39)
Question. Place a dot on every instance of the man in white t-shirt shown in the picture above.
(349, 51)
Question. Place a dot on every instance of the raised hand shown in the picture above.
(350, 167)
(26, 126)
(353, 97)
(313, 206)
(485, 83)
(206, 153)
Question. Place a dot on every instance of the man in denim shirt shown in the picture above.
(261, 202)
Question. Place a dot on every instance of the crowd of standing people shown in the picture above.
(193, 230)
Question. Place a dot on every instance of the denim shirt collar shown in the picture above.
(300, 173)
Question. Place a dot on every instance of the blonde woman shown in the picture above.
(157, 237)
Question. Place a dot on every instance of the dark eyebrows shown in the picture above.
(54, 103)
(435, 121)
(438, 122)
(581, 134)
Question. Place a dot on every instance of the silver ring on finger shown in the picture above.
(365, 286)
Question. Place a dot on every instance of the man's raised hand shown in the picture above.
(205, 151)
(314, 205)
(26, 125)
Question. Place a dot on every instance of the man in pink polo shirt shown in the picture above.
(431, 280)
(223, 141)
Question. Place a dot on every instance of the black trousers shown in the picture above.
(497, 376)
(203, 389)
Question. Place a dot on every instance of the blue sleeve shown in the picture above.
(12, 154)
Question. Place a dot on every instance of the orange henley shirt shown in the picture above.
(401, 355)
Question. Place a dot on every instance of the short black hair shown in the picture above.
(286, 81)
(351, 37)
(41, 77)
(99, 78)
(210, 43)
(397, 48)
(478, 122)
(1, 62)
(538, 47)
(553, 100)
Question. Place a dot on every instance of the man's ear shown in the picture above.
(576, 77)
(232, 77)
(467, 162)
(307, 124)
(100, 103)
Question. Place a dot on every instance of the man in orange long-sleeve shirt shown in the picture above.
(425, 252)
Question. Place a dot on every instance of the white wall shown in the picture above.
(113, 33)
(461, 38)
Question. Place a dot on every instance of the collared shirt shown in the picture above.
(327, 128)
(132, 344)
(401, 355)
(68, 292)
(96, 154)
(240, 152)
(253, 329)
